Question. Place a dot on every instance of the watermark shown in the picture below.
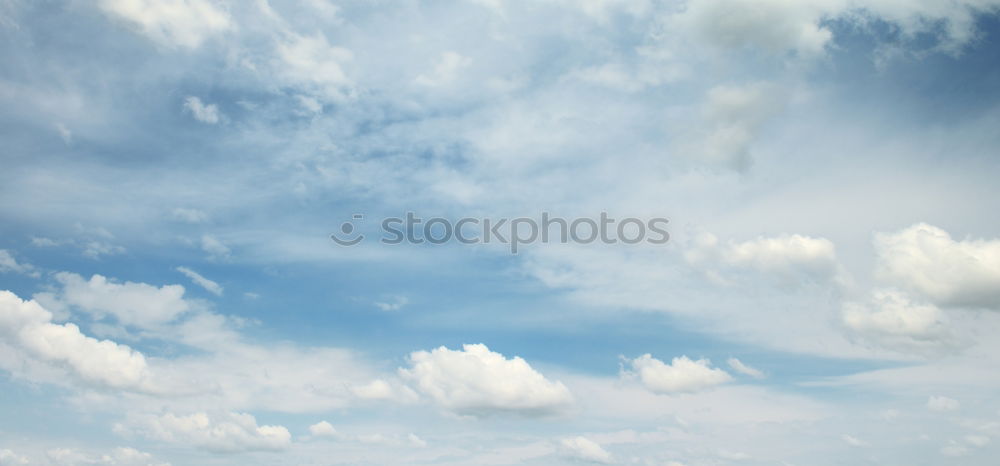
(515, 232)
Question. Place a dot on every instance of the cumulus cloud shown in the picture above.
(926, 260)
(198, 279)
(200, 111)
(789, 257)
(892, 319)
(9, 264)
(322, 429)
(137, 304)
(218, 432)
(185, 23)
(120, 456)
(682, 375)
(584, 449)
(942, 404)
(744, 369)
(28, 328)
(311, 63)
(477, 381)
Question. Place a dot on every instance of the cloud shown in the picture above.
(775, 26)
(214, 247)
(220, 432)
(312, 64)
(204, 113)
(784, 255)
(925, 259)
(9, 458)
(891, 319)
(853, 441)
(189, 215)
(322, 429)
(682, 375)
(477, 381)
(732, 117)
(377, 389)
(9, 264)
(744, 369)
(120, 456)
(137, 304)
(942, 404)
(582, 448)
(445, 71)
(394, 304)
(197, 278)
(185, 23)
(29, 329)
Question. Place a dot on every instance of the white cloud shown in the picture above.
(204, 113)
(744, 369)
(29, 329)
(377, 389)
(9, 458)
(312, 63)
(791, 257)
(925, 259)
(221, 432)
(584, 449)
(942, 404)
(214, 247)
(853, 441)
(197, 278)
(137, 304)
(322, 429)
(9, 264)
(477, 381)
(682, 375)
(891, 319)
(186, 23)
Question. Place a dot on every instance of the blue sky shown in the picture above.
(173, 170)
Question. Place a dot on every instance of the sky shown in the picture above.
(173, 170)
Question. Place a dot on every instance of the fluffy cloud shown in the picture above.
(29, 329)
(584, 449)
(789, 257)
(925, 259)
(197, 278)
(137, 304)
(322, 429)
(477, 381)
(222, 432)
(200, 111)
(120, 456)
(892, 319)
(312, 63)
(186, 23)
(682, 375)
